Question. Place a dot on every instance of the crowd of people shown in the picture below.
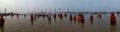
(79, 17)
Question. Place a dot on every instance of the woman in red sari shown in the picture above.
(113, 19)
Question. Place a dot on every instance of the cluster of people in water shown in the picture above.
(113, 20)
(79, 17)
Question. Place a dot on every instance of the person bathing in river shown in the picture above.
(2, 21)
(113, 19)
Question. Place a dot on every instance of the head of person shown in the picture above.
(1, 16)
(112, 13)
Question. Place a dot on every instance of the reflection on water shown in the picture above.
(70, 23)
(113, 28)
(2, 28)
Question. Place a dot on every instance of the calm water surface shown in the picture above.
(43, 24)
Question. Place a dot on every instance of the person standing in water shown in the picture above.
(2, 21)
(75, 19)
(71, 18)
(113, 23)
(113, 19)
(91, 19)
(31, 17)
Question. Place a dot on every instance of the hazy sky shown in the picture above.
(87, 5)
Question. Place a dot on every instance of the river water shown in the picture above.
(43, 24)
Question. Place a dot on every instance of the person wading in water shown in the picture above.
(2, 21)
(113, 19)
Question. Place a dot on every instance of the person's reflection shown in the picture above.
(2, 28)
(79, 22)
(113, 28)
(91, 19)
(2, 23)
(71, 18)
(113, 19)
(75, 19)
(32, 21)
